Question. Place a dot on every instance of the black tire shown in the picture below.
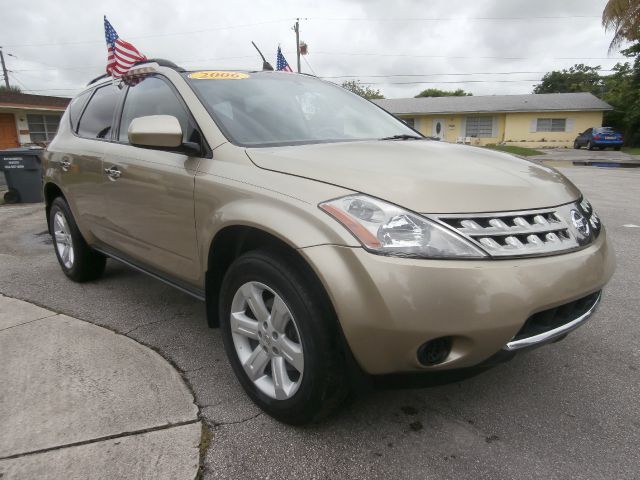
(323, 385)
(87, 264)
(11, 196)
(589, 146)
(617, 148)
(576, 145)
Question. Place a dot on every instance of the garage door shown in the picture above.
(8, 134)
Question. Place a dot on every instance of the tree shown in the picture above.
(579, 78)
(11, 89)
(363, 90)
(623, 17)
(436, 92)
(622, 92)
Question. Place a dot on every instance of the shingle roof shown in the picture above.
(14, 98)
(546, 102)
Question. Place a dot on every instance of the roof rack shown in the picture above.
(160, 61)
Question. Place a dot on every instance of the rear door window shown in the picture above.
(97, 119)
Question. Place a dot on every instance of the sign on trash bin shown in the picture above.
(13, 163)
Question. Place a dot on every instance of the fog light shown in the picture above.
(434, 351)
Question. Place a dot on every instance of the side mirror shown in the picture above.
(155, 131)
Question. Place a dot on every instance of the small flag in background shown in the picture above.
(121, 55)
(281, 63)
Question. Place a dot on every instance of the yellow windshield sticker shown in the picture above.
(218, 75)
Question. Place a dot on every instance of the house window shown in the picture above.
(410, 121)
(43, 128)
(479, 127)
(551, 125)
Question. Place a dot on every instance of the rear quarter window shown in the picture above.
(97, 119)
(75, 109)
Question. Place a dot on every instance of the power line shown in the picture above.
(456, 81)
(434, 19)
(449, 57)
(229, 27)
(85, 42)
(441, 74)
(304, 57)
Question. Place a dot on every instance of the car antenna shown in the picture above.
(265, 65)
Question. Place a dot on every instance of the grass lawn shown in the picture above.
(631, 150)
(523, 151)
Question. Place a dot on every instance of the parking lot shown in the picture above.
(568, 410)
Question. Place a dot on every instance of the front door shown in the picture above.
(438, 128)
(150, 203)
(8, 132)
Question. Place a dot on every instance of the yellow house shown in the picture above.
(542, 120)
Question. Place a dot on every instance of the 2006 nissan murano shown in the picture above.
(324, 234)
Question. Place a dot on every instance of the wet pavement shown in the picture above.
(567, 410)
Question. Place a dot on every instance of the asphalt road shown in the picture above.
(567, 410)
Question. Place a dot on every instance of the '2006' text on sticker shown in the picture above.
(218, 75)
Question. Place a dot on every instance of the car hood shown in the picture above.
(424, 176)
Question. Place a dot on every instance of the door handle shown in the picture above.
(65, 164)
(113, 172)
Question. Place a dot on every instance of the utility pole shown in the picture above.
(296, 28)
(6, 74)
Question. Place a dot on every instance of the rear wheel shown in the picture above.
(589, 145)
(77, 260)
(576, 145)
(11, 196)
(281, 338)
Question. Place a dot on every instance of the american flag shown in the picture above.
(281, 63)
(121, 55)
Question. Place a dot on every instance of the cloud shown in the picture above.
(345, 37)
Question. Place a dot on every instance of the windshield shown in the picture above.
(271, 108)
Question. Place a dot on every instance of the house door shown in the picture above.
(8, 132)
(438, 128)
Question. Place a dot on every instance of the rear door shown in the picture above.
(81, 171)
(150, 205)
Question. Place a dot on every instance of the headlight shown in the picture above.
(591, 216)
(386, 229)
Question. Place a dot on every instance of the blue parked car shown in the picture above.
(600, 137)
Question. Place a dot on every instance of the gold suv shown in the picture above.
(324, 234)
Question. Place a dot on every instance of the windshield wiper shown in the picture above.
(404, 136)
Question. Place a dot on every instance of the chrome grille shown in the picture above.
(528, 233)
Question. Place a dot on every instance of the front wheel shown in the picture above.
(589, 146)
(78, 261)
(281, 338)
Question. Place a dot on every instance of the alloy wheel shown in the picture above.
(64, 242)
(267, 340)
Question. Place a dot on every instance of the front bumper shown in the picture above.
(388, 307)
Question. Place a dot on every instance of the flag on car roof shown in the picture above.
(281, 63)
(121, 55)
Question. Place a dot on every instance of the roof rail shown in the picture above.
(163, 63)
(160, 61)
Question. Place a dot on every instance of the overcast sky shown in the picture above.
(58, 46)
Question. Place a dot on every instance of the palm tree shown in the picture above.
(623, 17)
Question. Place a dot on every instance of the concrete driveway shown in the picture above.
(584, 155)
(568, 410)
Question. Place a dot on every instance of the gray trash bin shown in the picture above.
(22, 169)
